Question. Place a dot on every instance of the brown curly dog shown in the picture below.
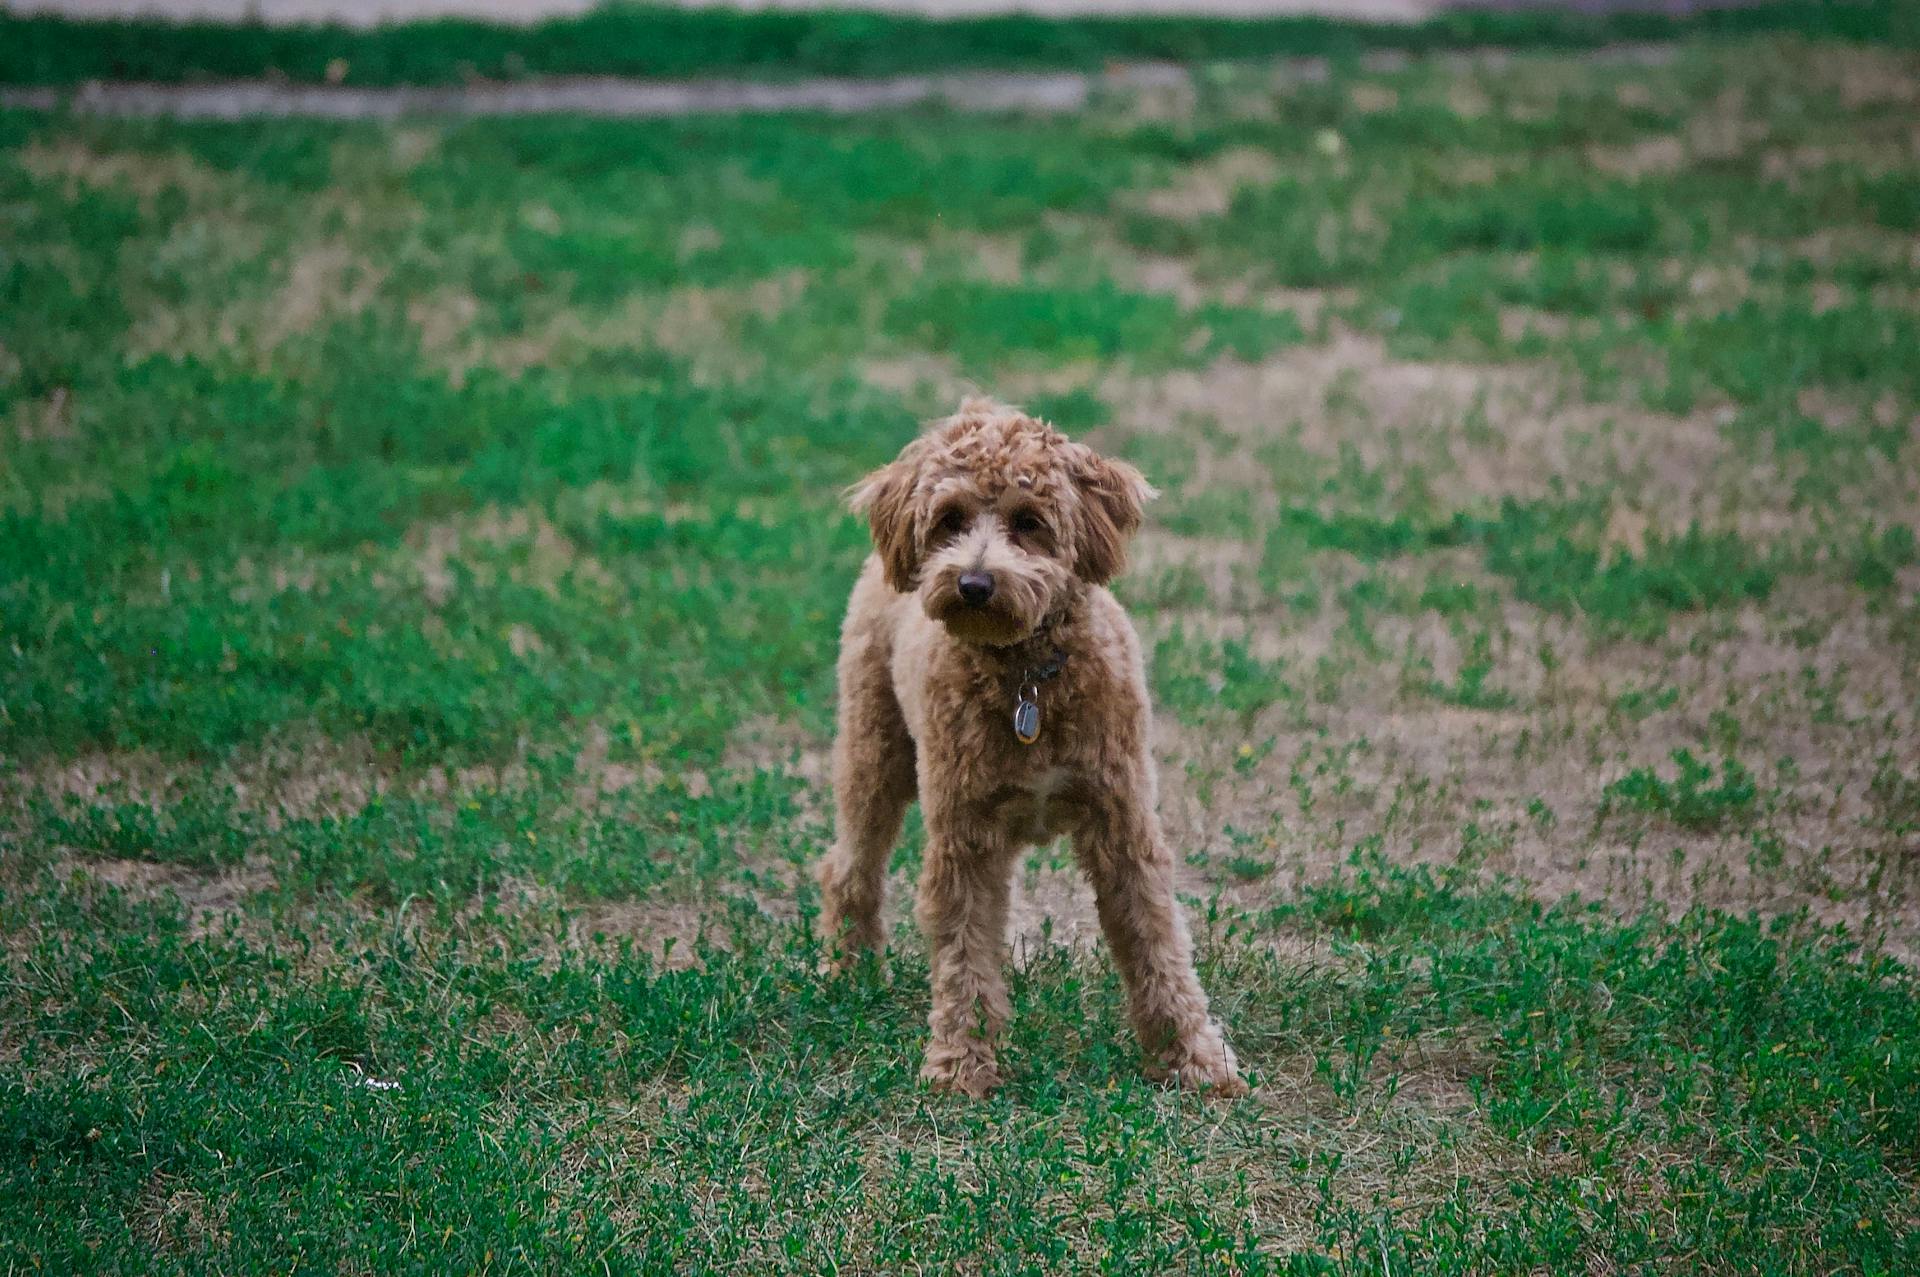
(985, 669)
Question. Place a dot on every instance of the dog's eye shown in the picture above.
(950, 523)
(1026, 524)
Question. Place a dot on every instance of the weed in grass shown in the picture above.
(1538, 213)
(1195, 677)
(200, 831)
(1897, 795)
(1451, 597)
(1640, 702)
(1469, 688)
(1535, 546)
(1881, 556)
(1247, 868)
(1691, 799)
(1548, 551)
(1541, 813)
(1747, 352)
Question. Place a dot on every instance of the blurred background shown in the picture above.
(422, 554)
(367, 12)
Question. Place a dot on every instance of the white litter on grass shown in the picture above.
(362, 1078)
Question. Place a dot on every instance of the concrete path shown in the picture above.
(1045, 92)
(367, 13)
(1041, 92)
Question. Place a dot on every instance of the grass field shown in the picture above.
(642, 39)
(420, 564)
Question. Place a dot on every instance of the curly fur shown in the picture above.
(927, 688)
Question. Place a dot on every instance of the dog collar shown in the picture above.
(1026, 705)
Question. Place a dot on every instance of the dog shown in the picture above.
(986, 670)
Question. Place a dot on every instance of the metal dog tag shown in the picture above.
(1026, 721)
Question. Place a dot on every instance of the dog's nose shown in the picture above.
(976, 588)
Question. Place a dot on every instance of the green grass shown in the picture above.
(985, 323)
(421, 562)
(1549, 552)
(1689, 799)
(649, 41)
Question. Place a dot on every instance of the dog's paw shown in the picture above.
(1208, 1080)
(1207, 1066)
(966, 1075)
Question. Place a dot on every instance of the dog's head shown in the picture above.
(996, 520)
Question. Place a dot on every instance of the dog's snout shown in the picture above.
(976, 588)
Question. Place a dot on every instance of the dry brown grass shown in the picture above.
(698, 324)
(1208, 188)
(146, 175)
(1529, 778)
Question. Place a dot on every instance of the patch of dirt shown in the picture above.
(290, 777)
(596, 775)
(929, 384)
(1207, 189)
(445, 320)
(1428, 1144)
(210, 899)
(1725, 128)
(1477, 432)
(669, 931)
(319, 284)
(1178, 277)
(1467, 99)
(220, 235)
(697, 324)
(552, 562)
(146, 175)
(1518, 323)
(998, 259)
(1643, 158)
(1518, 790)
(1373, 743)
(1373, 99)
(410, 146)
(1051, 907)
(178, 1220)
(323, 283)
(777, 744)
(688, 320)
(1864, 76)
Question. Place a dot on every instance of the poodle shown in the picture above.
(986, 670)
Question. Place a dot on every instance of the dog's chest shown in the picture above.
(1044, 805)
(1028, 793)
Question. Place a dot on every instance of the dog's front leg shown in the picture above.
(1122, 851)
(963, 914)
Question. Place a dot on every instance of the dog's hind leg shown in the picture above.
(1123, 852)
(873, 781)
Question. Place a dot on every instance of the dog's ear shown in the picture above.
(1112, 494)
(886, 498)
